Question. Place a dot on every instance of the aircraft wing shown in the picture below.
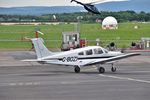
(106, 60)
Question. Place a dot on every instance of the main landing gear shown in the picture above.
(101, 70)
(76, 69)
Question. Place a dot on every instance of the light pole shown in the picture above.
(78, 23)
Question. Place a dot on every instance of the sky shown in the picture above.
(20, 3)
(14, 3)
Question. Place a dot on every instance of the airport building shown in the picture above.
(109, 23)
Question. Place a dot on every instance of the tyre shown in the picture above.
(113, 69)
(101, 70)
(77, 69)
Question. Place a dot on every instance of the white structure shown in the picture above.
(109, 23)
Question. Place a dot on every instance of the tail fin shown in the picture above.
(41, 50)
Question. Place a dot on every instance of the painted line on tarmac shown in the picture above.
(141, 71)
(23, 74)
(21, 84)
(75, 82)
(24, 84)
(125, 78)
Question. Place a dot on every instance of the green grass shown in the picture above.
(122, 36)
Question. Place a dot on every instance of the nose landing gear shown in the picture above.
(113, 69)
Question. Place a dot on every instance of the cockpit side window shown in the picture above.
(81, 53)
(89, 52)
(98, 51)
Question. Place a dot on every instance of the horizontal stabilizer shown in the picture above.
(30, 60)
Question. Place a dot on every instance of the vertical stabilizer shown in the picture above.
(41, 50)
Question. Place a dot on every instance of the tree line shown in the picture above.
(121, 16)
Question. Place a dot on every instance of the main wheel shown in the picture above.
(77, 69)
(101, 70)
(113, 69)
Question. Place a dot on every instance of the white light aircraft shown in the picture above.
(78, 58)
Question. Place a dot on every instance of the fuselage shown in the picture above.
(90, 52)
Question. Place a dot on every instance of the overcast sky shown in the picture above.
(13, 3)
(19, 3)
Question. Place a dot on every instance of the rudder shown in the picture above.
(41, 50)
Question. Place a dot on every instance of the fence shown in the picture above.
(12, 43)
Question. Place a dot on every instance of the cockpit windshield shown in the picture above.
(106, 51)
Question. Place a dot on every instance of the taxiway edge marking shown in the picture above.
(125, 78)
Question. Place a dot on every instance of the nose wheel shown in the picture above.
(113, 69)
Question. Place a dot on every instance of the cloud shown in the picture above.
(19, 3)
(16, 3)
